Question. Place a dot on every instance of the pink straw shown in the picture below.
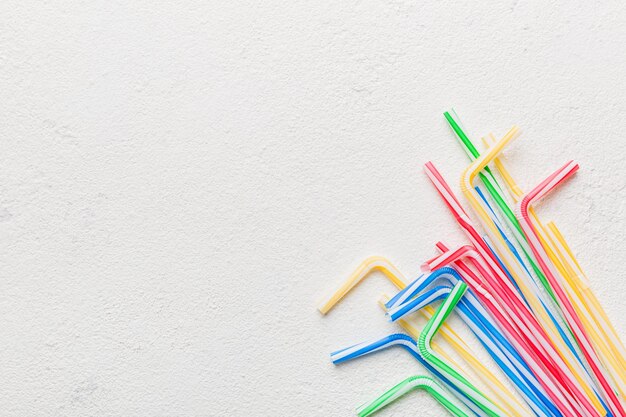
(521, 212)
(532, 339)
(511, 300)
(507, 325)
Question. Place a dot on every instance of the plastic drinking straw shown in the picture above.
(576, 279)
(545, 317)
(521, 337)
(527, 340)
(571, 354)
(482, 325)
(433, 294)
(552, 321)
(603, 404)
(414, 331)
(592, 326)
(408, 385)
(367, 266)
(438, 363)
(466, 184)
(595, 320)
(566, 306)
(567, 362)
(493, 347)
(507, 325)
(410, 345)
(423, 352)
(392, 273)
(395, 276)
(501, 232)
(513, 406)
(570, 286)
(573, 284)
(591, 301)
(494, 189)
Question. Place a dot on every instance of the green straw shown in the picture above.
(429, 355)
(495, 190)
(412, 383)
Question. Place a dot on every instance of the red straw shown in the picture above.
(544, 262)
(542, 349)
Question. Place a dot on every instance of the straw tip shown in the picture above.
(326, 302)
(362, 411)
(323, 309)
(393, 318)
(335, 358)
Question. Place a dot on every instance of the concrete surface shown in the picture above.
(181, 182)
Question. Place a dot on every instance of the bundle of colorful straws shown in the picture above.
(521, 292)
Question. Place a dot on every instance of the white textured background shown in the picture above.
(180, 183)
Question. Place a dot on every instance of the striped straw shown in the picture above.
(520, 324)
(514, 328)
(411, 346)
(408, 385)
(564, 340)
(573, 374)
(566, 306)
(617, 354)
(438, 363)
(393, 274)
(373, 263)
(592, 327)
(595, 320)
(495, 190)
(483, 326)
(510, 402)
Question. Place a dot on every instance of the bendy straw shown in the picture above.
(571, 355)
(507, 324)
(411, 346)
(482, 325)
(521, 292)
(373, 263)
(594, 328)
(616, 356)
(537, 303)
(423, 352)
(566, 306)
(378, 263)
(595, 321)
(393, 274)
(557, 330)
(569, 347)
(506, 399)
(523, 338)
(525, 332)
(408, 385)
(516, 368)
(495, 189)
(444, 368)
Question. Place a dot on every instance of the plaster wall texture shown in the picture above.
(180, 182)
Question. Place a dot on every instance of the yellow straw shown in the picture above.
(514, 268)
(378, 263)
(609, 347)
